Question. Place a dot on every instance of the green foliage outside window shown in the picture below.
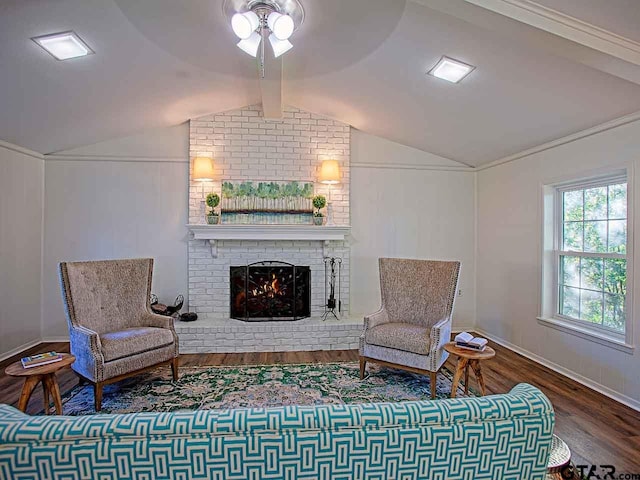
(593, 288)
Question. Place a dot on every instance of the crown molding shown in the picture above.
(113, 158)
(566, 26)
(603, 127)
(19, 149)
(411, 166)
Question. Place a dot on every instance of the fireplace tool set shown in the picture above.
(332, 269)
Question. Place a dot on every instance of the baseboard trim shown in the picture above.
(463, 329)
(606, 391)
(20, 349)
(54, 339)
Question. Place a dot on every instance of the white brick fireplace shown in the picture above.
(246, 147)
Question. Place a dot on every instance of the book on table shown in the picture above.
(468, 341)
(40, 359)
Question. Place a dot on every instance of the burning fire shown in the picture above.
(271, 288)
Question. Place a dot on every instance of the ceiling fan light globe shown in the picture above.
(282, 26)
(244, 24)
(279, 47)
(271, 19)
(250, 45)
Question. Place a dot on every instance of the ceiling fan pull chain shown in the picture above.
(262, 22)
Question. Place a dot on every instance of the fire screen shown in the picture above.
(266, 291)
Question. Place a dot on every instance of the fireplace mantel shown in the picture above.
(213, 233)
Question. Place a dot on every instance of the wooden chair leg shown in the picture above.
(363, 368)
(97, 393)
(434, 383)
(174, 368)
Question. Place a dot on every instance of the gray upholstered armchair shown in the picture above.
(414, 322)
(114, 334)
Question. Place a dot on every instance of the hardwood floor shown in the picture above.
(598, 430)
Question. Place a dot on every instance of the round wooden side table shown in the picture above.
(45, 374)
(468, 358)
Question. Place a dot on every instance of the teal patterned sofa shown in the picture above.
(496, 437)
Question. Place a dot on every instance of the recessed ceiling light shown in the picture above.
(63, 46)
(451, 70)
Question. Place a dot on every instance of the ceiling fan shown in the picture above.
(256, 21)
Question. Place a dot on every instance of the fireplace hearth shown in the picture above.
(266, 291)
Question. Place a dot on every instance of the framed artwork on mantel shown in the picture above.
(267, 202)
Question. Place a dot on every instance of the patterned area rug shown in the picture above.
(258, 386)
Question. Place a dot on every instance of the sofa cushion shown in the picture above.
(132, 341)
(400, 336)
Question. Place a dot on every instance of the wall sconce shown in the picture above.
(330, 172)
(203, 169)
(329, 175)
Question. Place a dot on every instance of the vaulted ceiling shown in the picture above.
(364, 62)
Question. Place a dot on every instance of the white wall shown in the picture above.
(372, 150)
(120, 199)
(128, 198)
(508, 260)
(113, 200)
(409, 208)
(21, 187)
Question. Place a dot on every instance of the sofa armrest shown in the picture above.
(377, 318)
(157, 321)
(87, 348)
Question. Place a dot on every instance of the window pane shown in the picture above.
(570, 271)
(594, 221)
(591, 273)
(573, 236)
(572, 202)
(595, 203)
(570, 302)
(615, 276)
(618, 236)
(614, 312)
(618, 201)
(591, 306)
(595, 237)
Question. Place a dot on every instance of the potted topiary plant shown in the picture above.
(213, 200)
(319, 201)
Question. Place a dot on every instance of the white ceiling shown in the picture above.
(160, 62)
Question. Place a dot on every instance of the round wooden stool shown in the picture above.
(45, 374)
(468, 358)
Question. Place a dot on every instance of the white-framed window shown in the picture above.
(587, 258)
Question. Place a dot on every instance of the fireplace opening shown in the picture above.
(266, 291)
